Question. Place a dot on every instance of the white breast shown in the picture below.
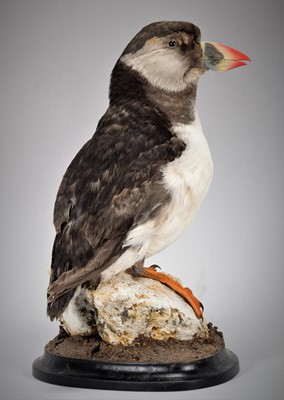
(187, 179)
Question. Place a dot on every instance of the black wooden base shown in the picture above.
(210, 371)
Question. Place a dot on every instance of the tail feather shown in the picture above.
(71, 279)
(62, 288)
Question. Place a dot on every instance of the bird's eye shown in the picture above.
(172, 43)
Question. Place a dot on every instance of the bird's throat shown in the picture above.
(127, 84)
(178, 107)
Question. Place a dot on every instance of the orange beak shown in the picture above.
(219, 57)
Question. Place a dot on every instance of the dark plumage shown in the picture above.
(115, 182)
(109, 187)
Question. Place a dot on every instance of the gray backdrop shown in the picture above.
(55, 62)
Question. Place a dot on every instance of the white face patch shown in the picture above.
(162, 66)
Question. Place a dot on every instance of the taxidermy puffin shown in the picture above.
(136, 185)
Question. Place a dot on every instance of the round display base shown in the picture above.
(210, 371)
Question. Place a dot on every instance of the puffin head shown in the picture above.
(171, 56)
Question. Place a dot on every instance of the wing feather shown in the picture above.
(113, 184)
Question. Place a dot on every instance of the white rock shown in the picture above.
(126, 307)
(78, 318)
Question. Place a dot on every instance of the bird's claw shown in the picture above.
(155, 267)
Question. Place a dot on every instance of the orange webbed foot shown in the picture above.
(186, 293)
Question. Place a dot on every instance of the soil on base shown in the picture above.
(142, 350)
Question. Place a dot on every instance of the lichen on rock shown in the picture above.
(127, 307)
